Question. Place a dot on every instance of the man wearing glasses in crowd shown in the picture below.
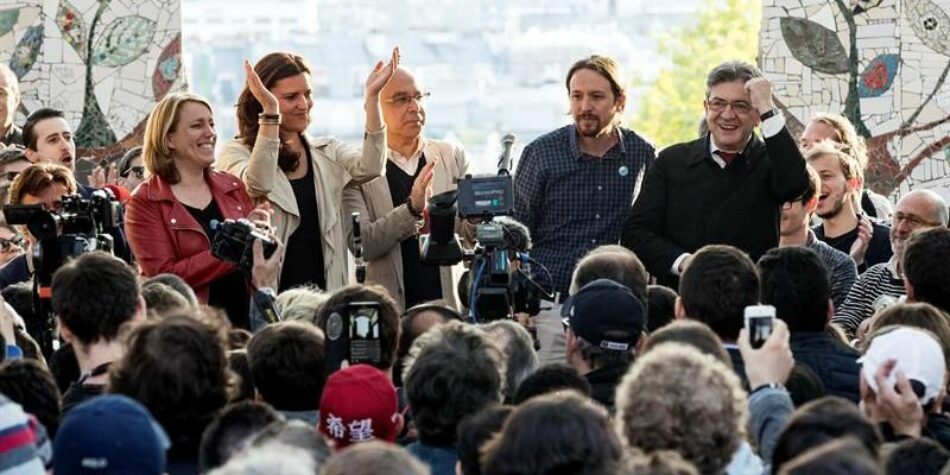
(391, 207)
(724, 188)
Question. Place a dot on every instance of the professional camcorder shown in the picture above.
(234, 242)
(494, 290)
(82, 225)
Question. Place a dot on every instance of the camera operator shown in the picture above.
(45, 184)
(169, 219)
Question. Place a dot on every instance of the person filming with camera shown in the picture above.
(172, 216)
(44, 184)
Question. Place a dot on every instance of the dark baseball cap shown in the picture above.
(605, 314)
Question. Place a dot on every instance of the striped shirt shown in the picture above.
(24, 446)
(572, 202)
(841, 268)
(879, 280)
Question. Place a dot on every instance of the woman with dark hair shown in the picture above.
(169, 218)
(300, 176)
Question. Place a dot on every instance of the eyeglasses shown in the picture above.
(913, 220)
(403, 99)
(719, 105)
(139, 172)
(15, 241)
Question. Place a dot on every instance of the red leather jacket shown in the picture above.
(166, 238)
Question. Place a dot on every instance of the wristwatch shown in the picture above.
(769, 114)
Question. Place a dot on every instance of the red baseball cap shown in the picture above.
(359, 404)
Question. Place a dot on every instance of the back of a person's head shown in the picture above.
(822, 421)
(804, 385)
(917, 315)
(161, 299)
(551, 378)
(796, 282)
(474, 431)
(925, 267)
(301, 303)
(177, 368)
(231, 429)
(692, 333)
(718, 284)
(613, 262)
(20, 297)
(93, 295)
(244, 386)
(555, 433)
(658, 407)
(270, 459)
(416, 321)
(287, 362)
(518, 348)
(176, 283)
(374, 458)
(388, 316)
(31, 385)
(920, 456)
(661, 462)
(452, 371)
(296, 434)
(661, 304)
(844, 456)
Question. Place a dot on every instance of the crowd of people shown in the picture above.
(135, 343)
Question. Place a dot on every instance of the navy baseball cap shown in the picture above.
(605, 314)
(110, 434)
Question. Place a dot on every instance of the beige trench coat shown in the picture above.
(335, 165)
(384, 226)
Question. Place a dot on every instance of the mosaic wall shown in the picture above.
(881, 63)
(104, 62)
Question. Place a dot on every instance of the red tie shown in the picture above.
(727, 156)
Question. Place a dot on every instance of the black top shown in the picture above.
(303, 260)
(79, 393)
(688, 201)
(230, 291)
(879, 249)
(422, 282)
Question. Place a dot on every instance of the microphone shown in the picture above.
(507, 142)
(358, 248)
(120, 193)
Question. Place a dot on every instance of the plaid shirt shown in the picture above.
(572, 202)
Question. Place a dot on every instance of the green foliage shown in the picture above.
(671, 107)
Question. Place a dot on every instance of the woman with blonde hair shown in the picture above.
(169, 218)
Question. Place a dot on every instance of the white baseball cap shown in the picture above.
(919, 356)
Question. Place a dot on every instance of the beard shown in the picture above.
(589, 125)
(835, 209)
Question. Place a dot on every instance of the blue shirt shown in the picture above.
(573, 202)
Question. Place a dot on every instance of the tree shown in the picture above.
(672, 106)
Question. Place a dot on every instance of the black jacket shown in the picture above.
(603, 383)
(833, 362)
(687, 201)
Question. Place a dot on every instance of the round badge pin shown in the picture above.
(623, 171)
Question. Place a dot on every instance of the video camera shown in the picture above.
(234, 242)
(82, 225)
(352, 335)
(494, 292)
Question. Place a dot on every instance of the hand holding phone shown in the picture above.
(759, 322)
